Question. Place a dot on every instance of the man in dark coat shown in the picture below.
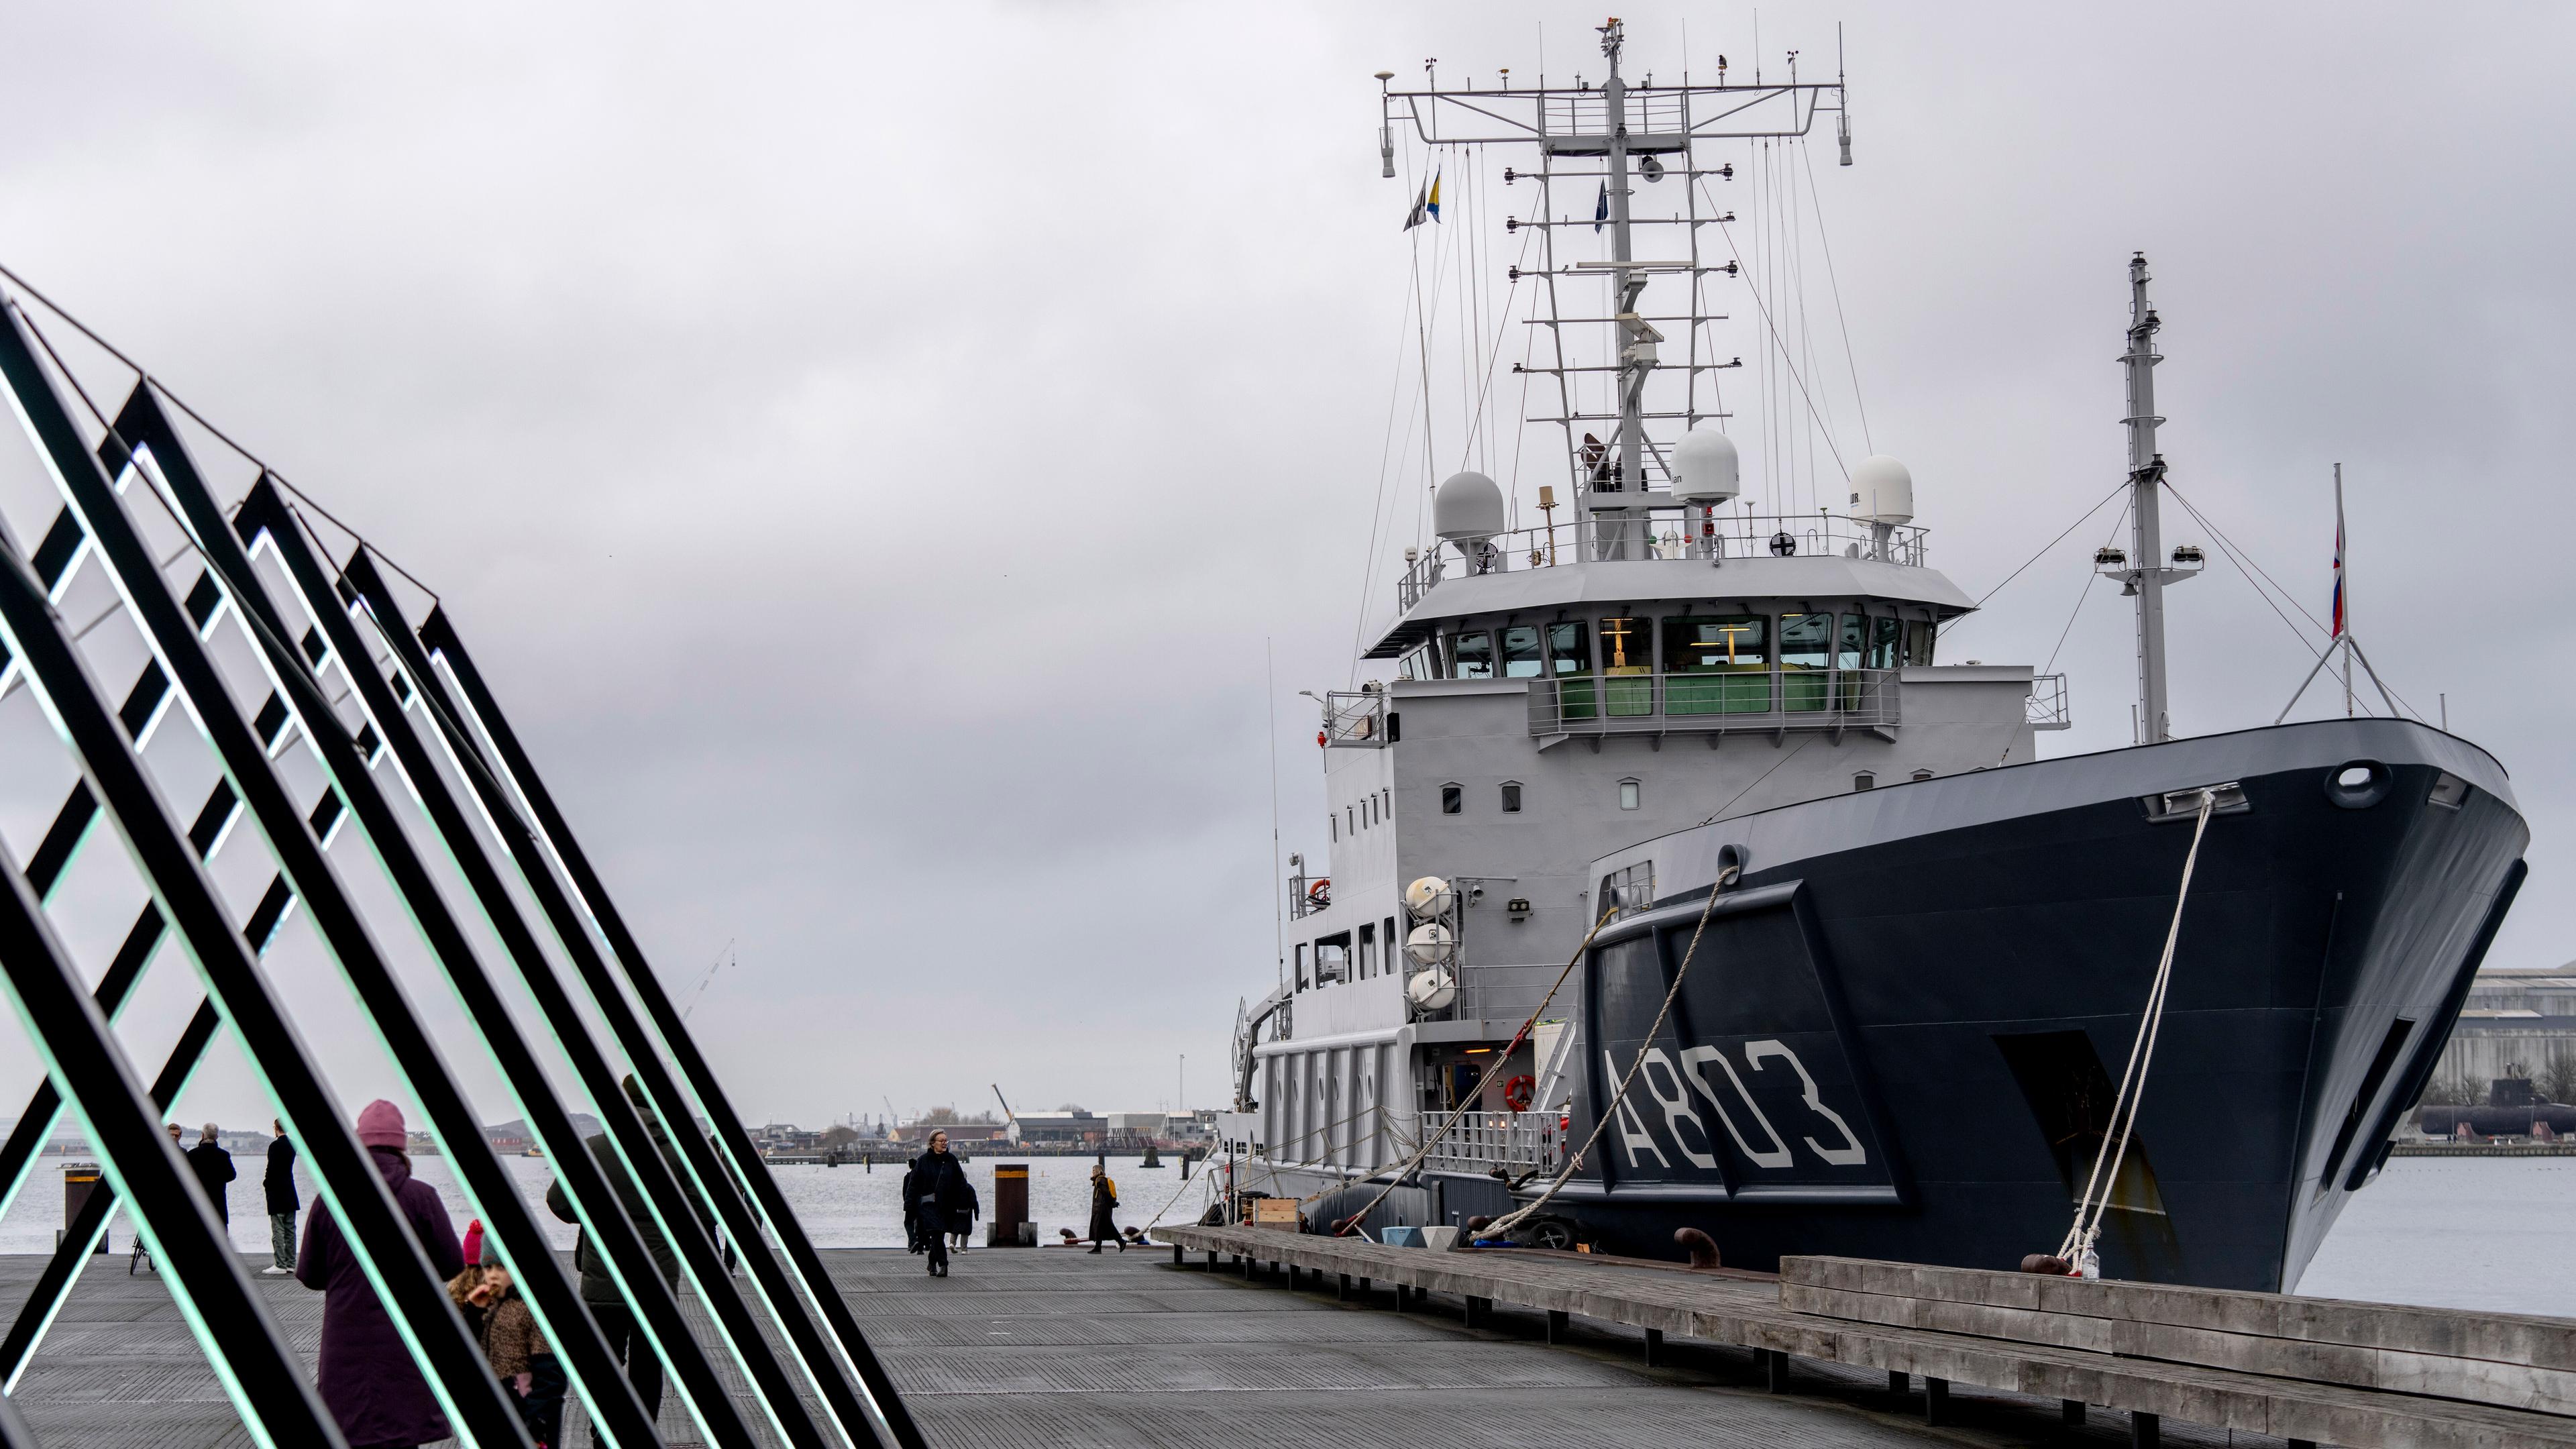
(626, 1338)
(214, 1167)
(938, 1200)
(367, 1378)
(283, 1201)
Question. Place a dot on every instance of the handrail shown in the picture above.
(1696, 533)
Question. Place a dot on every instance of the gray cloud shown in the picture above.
(870, 451)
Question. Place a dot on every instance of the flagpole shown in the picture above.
(2343, 587)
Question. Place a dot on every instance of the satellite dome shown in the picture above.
(1704, 467)
(1882, 491)
(1468, 508)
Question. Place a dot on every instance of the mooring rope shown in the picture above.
(2077, 1249)
(1502, 1227)
(1395, 1178)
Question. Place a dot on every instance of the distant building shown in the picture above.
(2524, 1019)
(1040, 1127)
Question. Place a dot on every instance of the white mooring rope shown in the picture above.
(2077, 1249)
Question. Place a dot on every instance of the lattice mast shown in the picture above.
(1615, 134)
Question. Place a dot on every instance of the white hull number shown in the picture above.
(1670, 1085)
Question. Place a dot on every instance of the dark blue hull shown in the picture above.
(1899, 1034)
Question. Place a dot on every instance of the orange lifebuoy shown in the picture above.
(1518, 1091)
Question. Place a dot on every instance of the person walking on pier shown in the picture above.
(626, 1338)
(938, 1200)
(214, 1168)
(367, 1378)
(283, 1202)
(1104, 1201)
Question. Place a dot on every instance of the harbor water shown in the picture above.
(850, 1206)
(2450, 1232)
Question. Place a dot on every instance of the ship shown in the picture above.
(1677, 881)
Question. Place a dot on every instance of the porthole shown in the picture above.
(1452, 799)
(2359, 784)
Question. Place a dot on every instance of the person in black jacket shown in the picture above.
(283, 1203)
(938, 1200)
(214, 1167)
(626, 1338)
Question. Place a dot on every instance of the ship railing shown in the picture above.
(1668, 531)
(2047, 708)
(1784, 698)
(1355, 718)
(1513, 1141)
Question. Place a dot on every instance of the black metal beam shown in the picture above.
(265, 1377)
(263, 511)
(568, 1322)
(73, 1253)
(344, 1171)
(439, 634)
(363, 579)
(28, 1133)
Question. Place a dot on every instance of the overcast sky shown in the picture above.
(873, 454)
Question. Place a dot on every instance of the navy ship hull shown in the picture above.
(1899, 1034)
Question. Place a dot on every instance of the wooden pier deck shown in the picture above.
(2368, 1376)
(1031, 1347)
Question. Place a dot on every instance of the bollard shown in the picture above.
(80, 1179)
(1010, 1204)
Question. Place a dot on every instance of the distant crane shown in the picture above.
(1008, 1116)
(726, 957)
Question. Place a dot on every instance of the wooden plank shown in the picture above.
(2473, 1379)
(2510, 1338)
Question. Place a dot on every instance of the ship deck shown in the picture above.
(1047, 1347)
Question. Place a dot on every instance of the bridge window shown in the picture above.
(1301, 965)
(1806, 649)
(1720, 664)
(1368, 949)
(1471, 655)
(1569, 647)
(1452, 799)
(1855, 642)
(1511, 797)
(1521, 653)
(1918, 643)
(1333, 958)
(1882, 643)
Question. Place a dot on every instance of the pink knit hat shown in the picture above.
(380, 1124)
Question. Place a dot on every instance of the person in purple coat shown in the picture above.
(368, 1380)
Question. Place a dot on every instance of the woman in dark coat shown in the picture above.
(1104, 1201)
(368, 1380)
(938, 1200)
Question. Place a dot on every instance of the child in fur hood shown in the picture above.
(513, 1344)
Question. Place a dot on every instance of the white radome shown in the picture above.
(1467, 509)
(1882, 490)
(1704, 467)
(1427, 897)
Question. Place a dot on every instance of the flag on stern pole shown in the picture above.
(2338, 559)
